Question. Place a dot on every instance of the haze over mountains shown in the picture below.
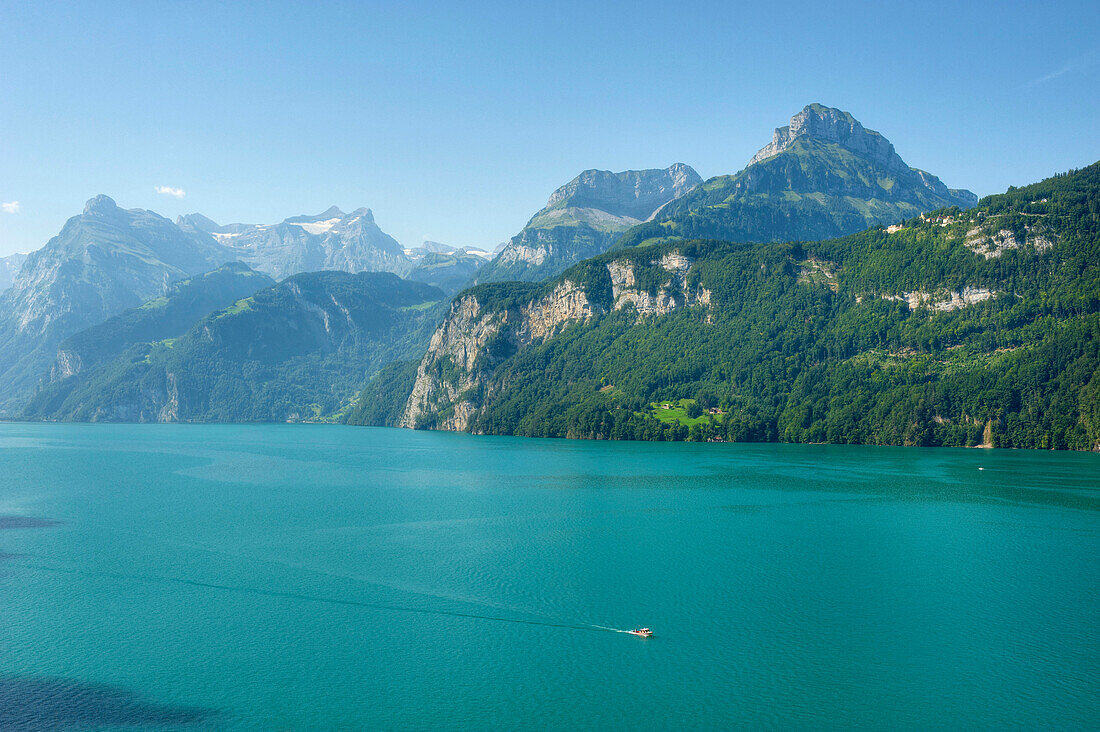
(627, 289)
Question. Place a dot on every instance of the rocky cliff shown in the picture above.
(9, 269)
(486, 326)
(584, 217)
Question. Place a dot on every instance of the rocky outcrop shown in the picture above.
(9, 269)
(943, 301)
(454, 378)
(997, 243)
(68, 363)
(632, 193)
(833, 125)
(819, 272)
(449, 368)
(521, 253)
(674, 294)
(584, 218)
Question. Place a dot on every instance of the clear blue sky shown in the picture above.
(456, 121)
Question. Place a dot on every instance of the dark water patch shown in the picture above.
(26, 522)
(34, 704)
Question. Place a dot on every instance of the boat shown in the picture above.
(642, 632)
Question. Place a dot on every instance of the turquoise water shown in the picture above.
(286, 577)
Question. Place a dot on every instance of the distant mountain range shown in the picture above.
(109, 259)
(585, 217)
(332, 240)
(164, 317)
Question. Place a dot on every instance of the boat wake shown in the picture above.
(305, 597)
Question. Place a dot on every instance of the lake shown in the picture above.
(315, 577)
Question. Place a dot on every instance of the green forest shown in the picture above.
(848, 340)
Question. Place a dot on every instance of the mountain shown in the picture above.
(449, 272)
(975, 327)
(299, 350)
(824, 175)
(332, 240)
(444, 266)
(104, 261)
(9, 269)
(165, 317)
(429, 247)
(585, 217)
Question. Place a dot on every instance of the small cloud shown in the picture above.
(170, 191)
(11, 206)
(1049, 77)
(1074, 65)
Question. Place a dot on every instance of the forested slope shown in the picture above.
(958, 328)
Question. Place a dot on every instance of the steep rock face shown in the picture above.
(833, 125)
(454, 380)
(449, 367)
(674, 294)
(331, 240)
(944, 301)
(823, 175)
(103, 261)
(584, 217)
(633, 193)
(9, 269)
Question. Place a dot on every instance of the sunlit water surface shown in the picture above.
(279, 577)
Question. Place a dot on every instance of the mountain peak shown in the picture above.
(828, 124)
(100, 204)
(198, 221)
(332, 212)
(363, 213)
(634, 193)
